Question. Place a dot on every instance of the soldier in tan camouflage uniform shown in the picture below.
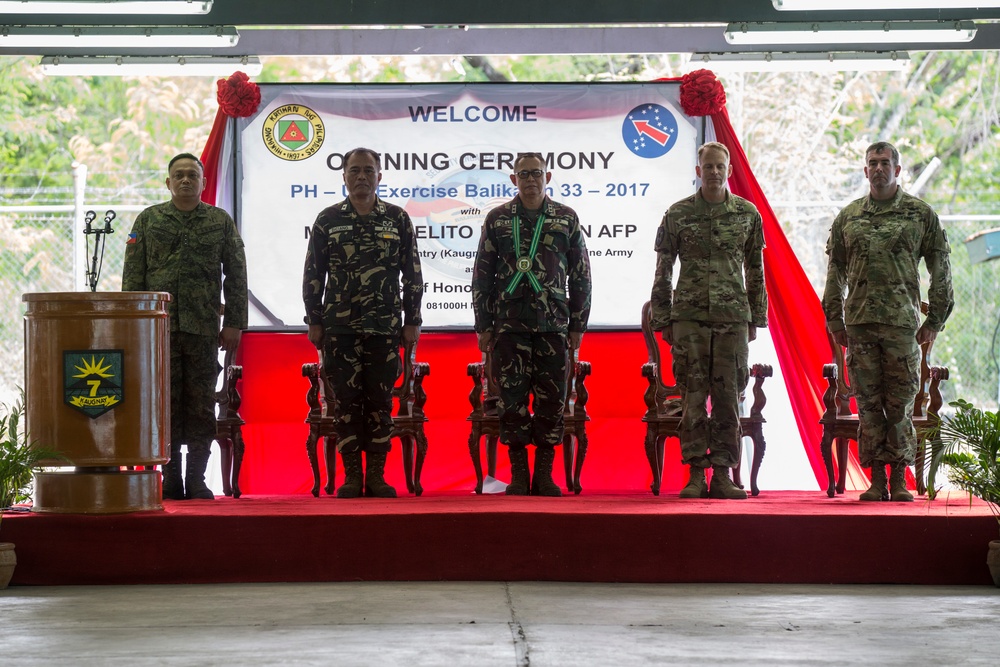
(359, 252)
(530, 291)
(875, 248)
(711, 316)
(184, 247)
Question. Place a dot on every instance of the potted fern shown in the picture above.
(19, 459)
(968, 444)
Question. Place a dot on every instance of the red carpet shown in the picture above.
(779, 537)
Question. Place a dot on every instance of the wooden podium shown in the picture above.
(97, 390)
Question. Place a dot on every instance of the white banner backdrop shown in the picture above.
(619, 153)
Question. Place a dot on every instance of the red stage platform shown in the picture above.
(778, 537)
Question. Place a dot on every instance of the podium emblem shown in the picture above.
(92, 380)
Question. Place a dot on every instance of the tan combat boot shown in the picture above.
(877, 491)
(897, 484)
(696, 487)
(375, 484)
(353, 477)
(518, 471)
(541, 481)
(723, 487)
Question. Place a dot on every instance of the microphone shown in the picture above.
(108, 217)
(88, 218)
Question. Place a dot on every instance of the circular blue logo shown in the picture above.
(649, 130)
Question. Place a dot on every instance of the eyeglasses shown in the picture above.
(530, 173)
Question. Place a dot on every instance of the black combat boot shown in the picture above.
(519, 481)
(877, 491)
(541, 480)
(194, 475)
(696, 487)
(375, 484)
(353, 476)
(723, 487)
(173, 481)
(897, 484)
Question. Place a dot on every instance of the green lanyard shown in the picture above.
(524, 262)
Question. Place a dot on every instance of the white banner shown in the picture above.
(619, 153)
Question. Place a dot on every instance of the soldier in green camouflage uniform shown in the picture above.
(530, 291)
(359, 251)
(711, 316)
(184, 247)
(875, 248)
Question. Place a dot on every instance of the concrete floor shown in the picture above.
(495, 623)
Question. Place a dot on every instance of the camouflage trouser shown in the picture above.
(362, 369)
(883, 366)
(535, 363)
(194, 371)
(710, 362)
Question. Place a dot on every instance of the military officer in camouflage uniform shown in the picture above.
(875, 248)
(185, 247)
(360, 250)
(711, 316)
(530, 292)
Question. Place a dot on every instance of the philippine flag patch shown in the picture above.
(132, 238)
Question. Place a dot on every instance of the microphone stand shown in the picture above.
(94, 271)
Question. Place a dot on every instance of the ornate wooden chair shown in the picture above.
(485, 419)
(408, 420)
(229, 433)
(663, 411)
(840, 423)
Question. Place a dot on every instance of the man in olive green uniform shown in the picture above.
(530, 292)
(360, 250)
(711, 316)
(185, 247)
(875, 248)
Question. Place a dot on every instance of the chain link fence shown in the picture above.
(44, 249)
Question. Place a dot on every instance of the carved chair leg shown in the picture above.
(311, 443)
(569, 446)
(238, 448)
(407, 444)
(650, 444)
(918, 468)
(738, 470)
(843, 456)
(475, 453)
(759, 448)
(826, 447)
(581, 454)
(330, 450)
(226, 454)
(419, 466)
(491, 455)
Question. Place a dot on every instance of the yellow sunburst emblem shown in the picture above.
(93, 380)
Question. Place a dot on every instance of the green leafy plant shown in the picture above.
(19, 458)
(968, 444)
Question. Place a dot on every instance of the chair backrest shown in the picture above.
(661, 399)
(845, 392)
(485, 394)
(409, 393)
(227, 398)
